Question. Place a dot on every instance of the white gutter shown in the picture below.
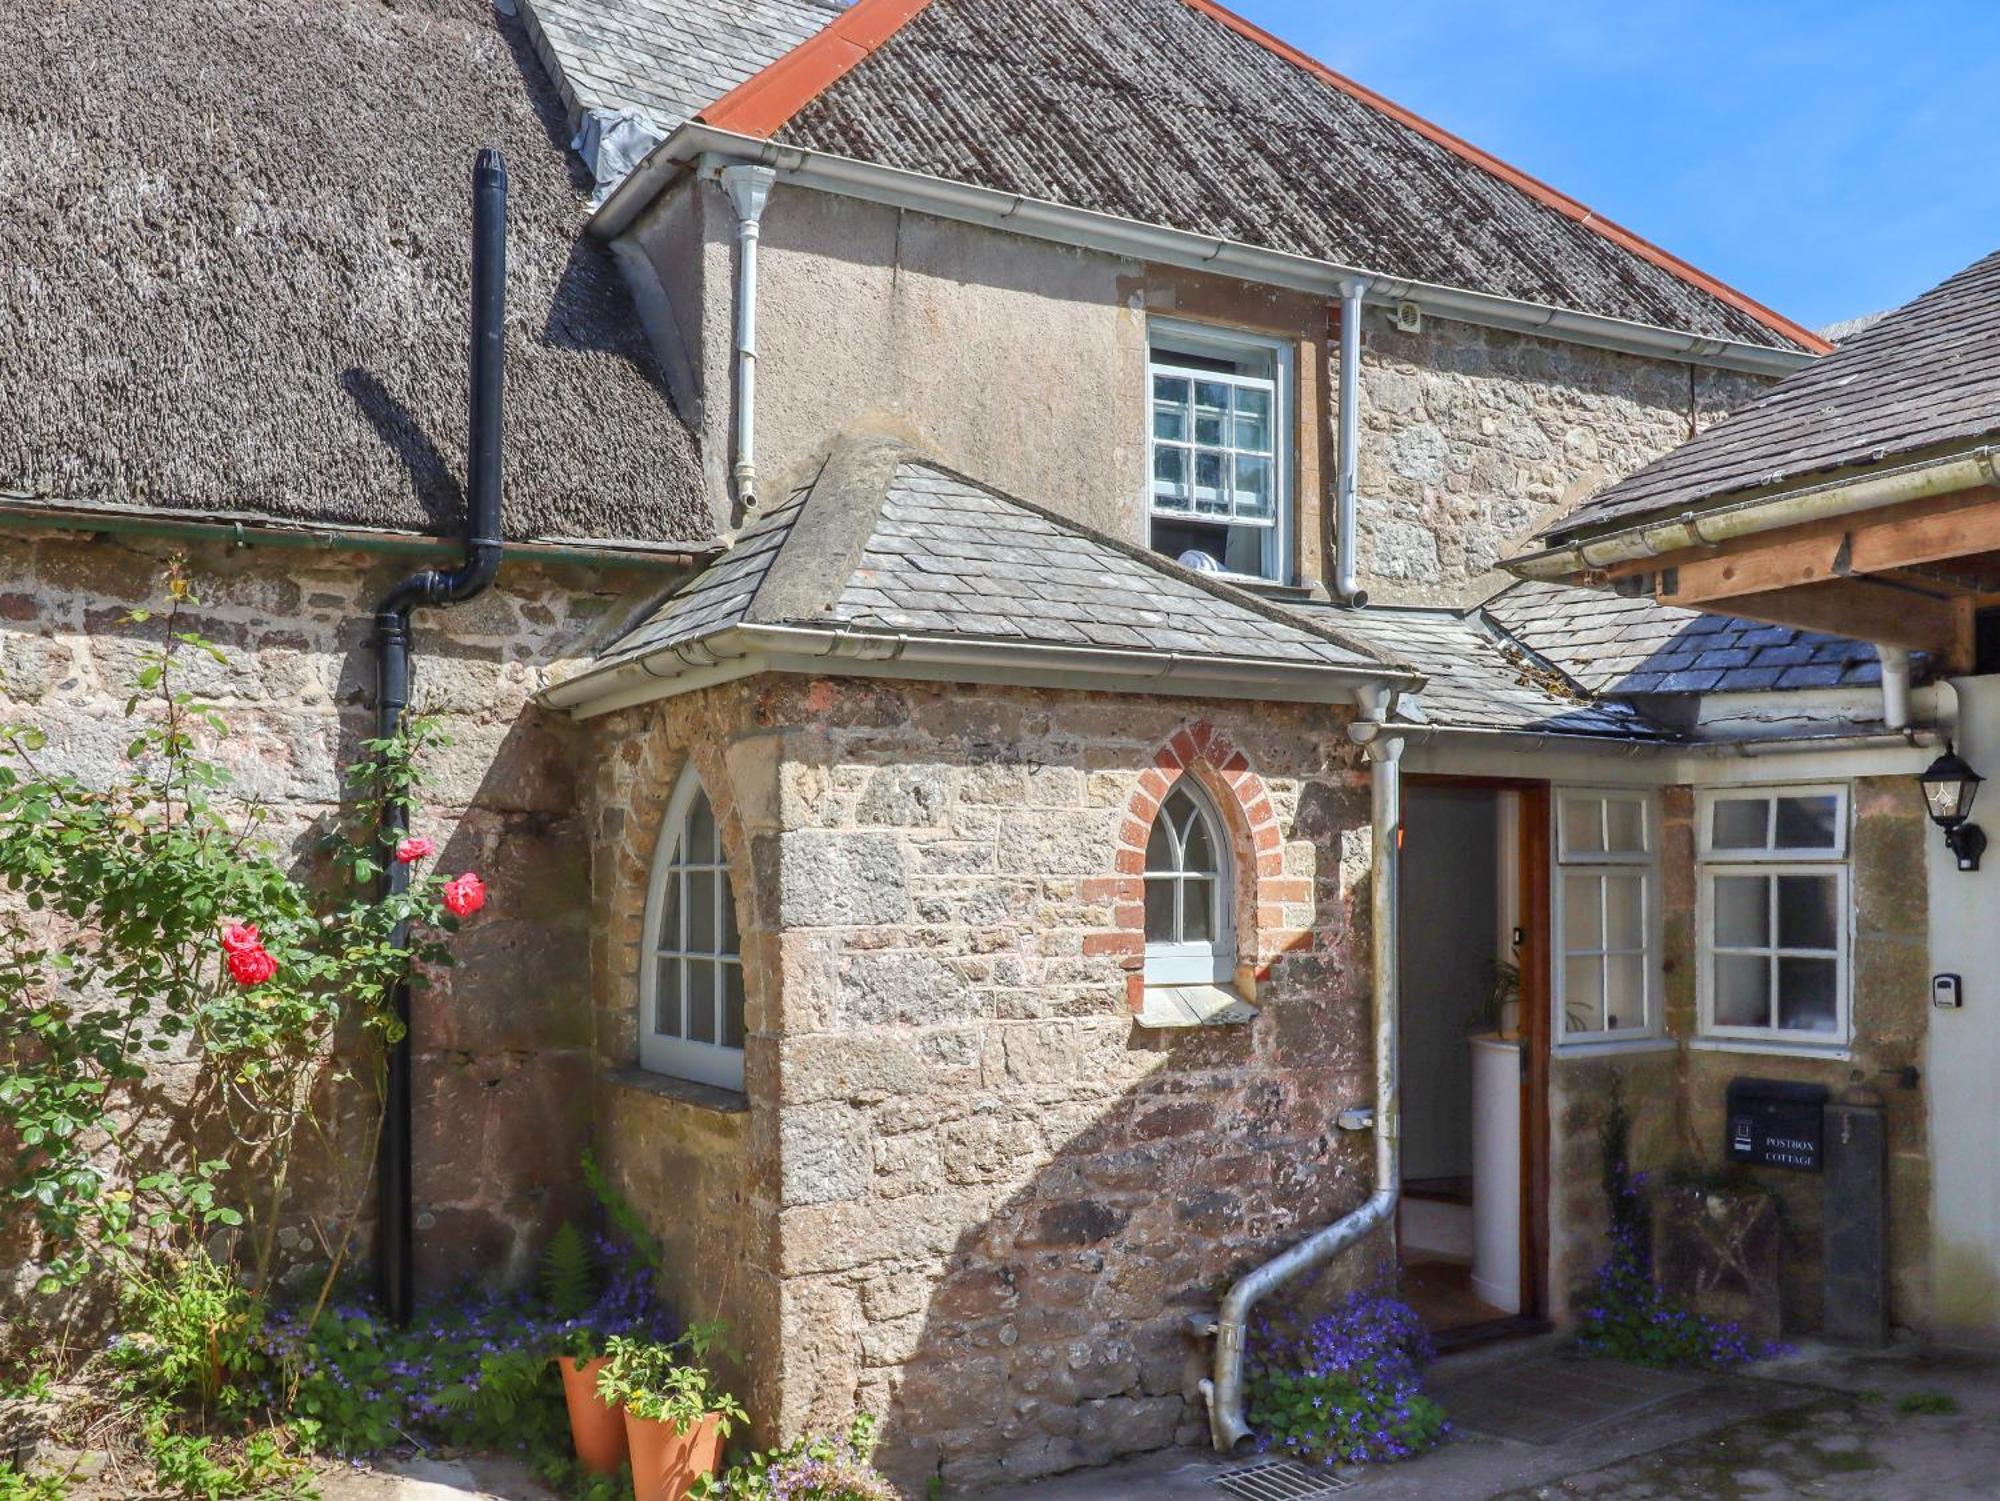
(1765, 513)
(1347, 483)
(1087, 229)
(749, 188)
(743, 649)
(1227, 1424)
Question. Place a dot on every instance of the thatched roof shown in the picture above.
(234, 266)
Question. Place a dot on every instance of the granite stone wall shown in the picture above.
(1474, 438)
(503, 1040)
(980, 1199)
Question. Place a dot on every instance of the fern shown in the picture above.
(624, 1218)
(569, 1273)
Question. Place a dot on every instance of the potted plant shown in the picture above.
(569, 1289)
(676, 1415)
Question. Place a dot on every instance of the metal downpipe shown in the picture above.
(1347, 481)
(395, 1255)
(749, 188)
(1227, 1424)
(1895, 685)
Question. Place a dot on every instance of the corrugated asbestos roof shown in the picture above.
(235, 263)
(1173, 112)
(1613, 645)
(665, 58)
(1923, 377)
(1475, 680)
(916, 550)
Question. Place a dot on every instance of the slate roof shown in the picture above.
(235, 263)
(665, 58)
(884, 541)
(1613, 645)
(1924, 378)
(1175, 112)
(1475, 679)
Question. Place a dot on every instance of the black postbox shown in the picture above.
(1777, 1123)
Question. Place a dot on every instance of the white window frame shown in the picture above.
(713, 1063)
(1641, 864)
(1177, 335)
(1203, 963)
(1770, 863)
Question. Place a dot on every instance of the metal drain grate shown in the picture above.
(1280, 1480)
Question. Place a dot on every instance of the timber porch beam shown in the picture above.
(1925, 532)
(1862, 609)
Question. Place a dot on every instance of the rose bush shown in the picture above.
(151, 920)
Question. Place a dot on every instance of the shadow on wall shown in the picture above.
(1058, 1334)
(1165, 1165)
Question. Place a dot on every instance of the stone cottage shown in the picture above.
(1004, 506)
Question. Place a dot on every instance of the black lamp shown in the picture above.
(1949, 788)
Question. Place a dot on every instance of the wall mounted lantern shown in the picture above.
(1949, 788)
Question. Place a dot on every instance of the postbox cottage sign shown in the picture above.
(1776, 1123)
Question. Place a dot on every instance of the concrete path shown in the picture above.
(480, 1479)
(1824, 1424)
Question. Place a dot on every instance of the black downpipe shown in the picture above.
(396, 1242)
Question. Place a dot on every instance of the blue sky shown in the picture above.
(1827, 158)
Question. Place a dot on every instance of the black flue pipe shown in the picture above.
(395, 1256)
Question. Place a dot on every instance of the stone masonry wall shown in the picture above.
(699, 1163)
(1472, 439)
(1677, 1098)
(502, 1060)
(1023, 364)
(961, 1189)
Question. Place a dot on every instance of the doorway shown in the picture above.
(1470, 1225)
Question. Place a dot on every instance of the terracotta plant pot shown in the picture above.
(596, 1428)
(666, 1462)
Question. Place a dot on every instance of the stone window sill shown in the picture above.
(680, 1091)
(1624, 1046)
(1829, 1051)
(1170, 1007)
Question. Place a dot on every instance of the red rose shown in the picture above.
(413, 849)
(251, 966)
(464, 896)
(240, 937)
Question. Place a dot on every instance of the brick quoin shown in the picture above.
(1258, 886)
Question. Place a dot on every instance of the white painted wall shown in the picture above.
(1964, 1066)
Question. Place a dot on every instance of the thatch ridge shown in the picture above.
(234, 265)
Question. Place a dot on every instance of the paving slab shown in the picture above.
(474, 1479)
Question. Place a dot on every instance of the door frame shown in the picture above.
(1534, 874)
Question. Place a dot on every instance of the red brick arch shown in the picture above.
(1261, 891)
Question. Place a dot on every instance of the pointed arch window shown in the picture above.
(1188, 932)
(691, 981)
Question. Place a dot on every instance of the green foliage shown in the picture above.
(1927, 1404)
(668, 1382)
(112, 956)
(568, 1273)
(1346, 1387)
(821, 1467)
(474, 1377)
(14, 1486)
(189, 1331)
(625, 1221)
(197, 1467)
(1626, 1315)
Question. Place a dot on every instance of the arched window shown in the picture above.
(691, 980)
(1188, 939)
